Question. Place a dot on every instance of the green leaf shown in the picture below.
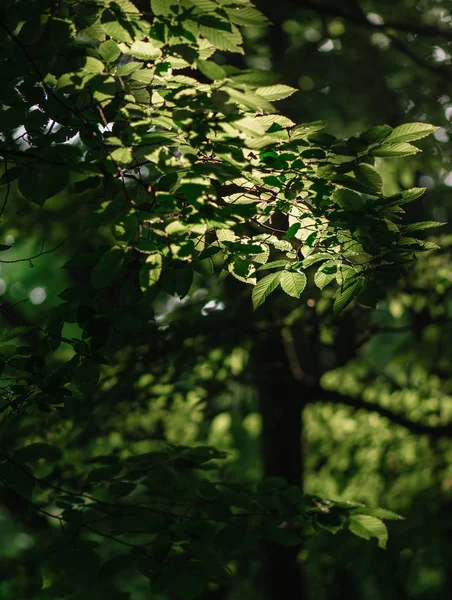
(415, 245)
(129, 68)
(203, 5)
(121, 156)
(367, 527)
(348, 200)
(314, 258)
(322, 278)
(40, 182)
(290, 233)
(162, 7)
(346, 293)
(249, 99)
(211, 69)
(241, 248)
(247, 16)
(410, 132)
(94, 32)
(255, 77)
(264, 287)
(143, 50)
(242, 270)
(293, 283)
(380, 513)
(92, 65)
(410, 195)
(374, 135)
(394, 150)
(13, 332)
(421, 225)
(369, 176)
(403, 197)
(276, 264)
(358, 258)
(117, 31)
(107, 267)
(125, 227)
(150, 272)
(223, 40)
(305, 129)
(275, 92)
(109, 51)
(354, 184)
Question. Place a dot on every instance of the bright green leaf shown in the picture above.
(211, 69)
(276, 264)
(421, 225)
(109, 51)
(367, 526)
(275, 92)
(410, 132)
(293, 283)
(150, 272)
(394, 150)
(264, 287)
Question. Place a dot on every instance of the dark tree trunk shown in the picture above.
(280, 406)
(344, 585)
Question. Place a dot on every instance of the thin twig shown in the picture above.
(30, 258)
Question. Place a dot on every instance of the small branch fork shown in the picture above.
(29, 259)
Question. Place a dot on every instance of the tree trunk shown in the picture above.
(281, 410)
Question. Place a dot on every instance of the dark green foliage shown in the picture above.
(113, 141)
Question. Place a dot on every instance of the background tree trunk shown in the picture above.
(281, 410)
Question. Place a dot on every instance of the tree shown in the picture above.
(400, 54)
(154, 162)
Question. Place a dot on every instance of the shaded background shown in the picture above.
(353, 407)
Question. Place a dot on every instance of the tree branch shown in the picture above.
(421, 29)
(402, 48)
(433, 431)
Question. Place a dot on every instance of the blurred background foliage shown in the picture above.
(374, 389)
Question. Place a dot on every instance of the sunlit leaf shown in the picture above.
(346, 293)
(410, 132)
(293, 283)
(368, 527)
(264, 287)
